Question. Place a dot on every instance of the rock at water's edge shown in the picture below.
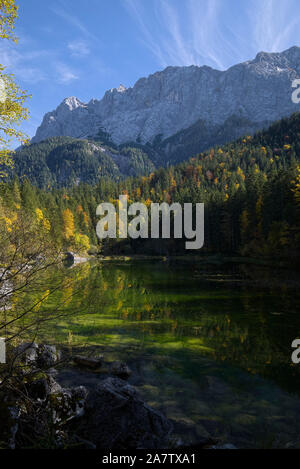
(116, 417)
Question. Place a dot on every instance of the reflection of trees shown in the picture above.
(244, 332)
(137, 303)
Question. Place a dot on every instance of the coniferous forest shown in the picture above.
(250, 188)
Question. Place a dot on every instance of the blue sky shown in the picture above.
(84, 47)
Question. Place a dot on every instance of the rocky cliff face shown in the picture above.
(178, 97)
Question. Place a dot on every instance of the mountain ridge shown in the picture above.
(174, 99)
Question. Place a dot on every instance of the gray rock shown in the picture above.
(257, 91)
(47, 356)
(37, 407)
(67, 404)
(117, 418)
(37, 356)
(75, 258)
(40, 385)
(27, 353)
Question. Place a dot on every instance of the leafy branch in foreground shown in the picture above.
(12, 98)
(9, 14)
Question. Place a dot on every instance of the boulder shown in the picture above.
(47, 356)
(117, 418)
(39, 385)
(66, 404)
(34, 404)
(37, 356)
(75, 258)
(27, 353)
(38, 388)
(49, 410)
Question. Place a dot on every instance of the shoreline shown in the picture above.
(214, 259)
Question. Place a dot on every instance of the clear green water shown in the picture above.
(210, 346)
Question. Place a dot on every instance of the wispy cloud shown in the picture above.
(32, 65)
(218, 33)
(185, 35)
(274, 23)
(136, 10)
(64, 74)
(73, 20)
(20, 62)
(194, 36)
(30, 75)
(79, 48)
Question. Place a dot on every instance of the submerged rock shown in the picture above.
(116, 417)
(121, 370)
(87, 362)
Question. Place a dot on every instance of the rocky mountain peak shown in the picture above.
(121, 89)
(72, 103)
(176, 98)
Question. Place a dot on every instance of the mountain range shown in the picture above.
(163, 119)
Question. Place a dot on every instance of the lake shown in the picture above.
(209, 345)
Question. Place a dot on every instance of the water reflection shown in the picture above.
(210, 346)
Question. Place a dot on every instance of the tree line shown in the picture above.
(250, 188)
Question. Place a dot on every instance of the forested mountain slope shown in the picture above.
(250, 187)
(65, 161)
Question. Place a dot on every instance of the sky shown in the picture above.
(84, 47)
